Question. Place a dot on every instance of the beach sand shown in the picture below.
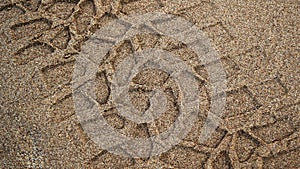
(258, 43)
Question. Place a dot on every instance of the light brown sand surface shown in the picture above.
(258, 42)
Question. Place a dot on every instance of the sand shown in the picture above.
(258, 43)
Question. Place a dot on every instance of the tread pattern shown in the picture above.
(42, 37)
